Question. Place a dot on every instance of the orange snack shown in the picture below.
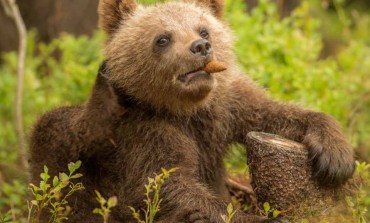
(215, 67)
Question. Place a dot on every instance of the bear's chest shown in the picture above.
(209, 131)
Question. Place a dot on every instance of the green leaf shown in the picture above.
(60, 209)
(78, 175)
(34, 188)
(266, 207)
(34, 202)
(98, 195)
(275, 213)
(112, 202)
(150, 180)
(71, 167)
(44, 176)
(78, 164)
(44, 186)
(229, 208)
(132, 209)
(39, 197)
(55, 181)
(46, 169)
(63, 177)
(165, 172)
(134, 212)
(98, 211)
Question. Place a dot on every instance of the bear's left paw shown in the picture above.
(331, 154)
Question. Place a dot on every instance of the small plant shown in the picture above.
(105, 206)
(12, 205)
(50, 195)
(6, 217)
(359, 202)
(230, 213)
(152, 196)
(268, 210)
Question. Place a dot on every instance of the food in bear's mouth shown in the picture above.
(211, 67)
(214, 67)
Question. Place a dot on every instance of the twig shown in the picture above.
(14, 218)
(29, 207)
(7, 9)
(356, 109)
(1, 179)
(281, 5)
(12, 11)
(238, 186)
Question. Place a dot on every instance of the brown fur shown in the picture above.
(85, 133)
(170, 123)
(216, 6)
(113, 12)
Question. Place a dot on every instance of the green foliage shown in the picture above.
(56, 74)
(12, 201)
(152, 200)
(6, 217)
(283, 55)
(105, 206)
(235, 162)
(360, 201)
(50, 194)
(268, 211)
(230, 213)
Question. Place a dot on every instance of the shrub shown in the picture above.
(59, 73)
(283, 55)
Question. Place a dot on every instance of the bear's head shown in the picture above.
(156, 54)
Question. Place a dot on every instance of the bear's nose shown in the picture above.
(201, 48)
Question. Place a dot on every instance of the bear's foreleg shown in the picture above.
(330, 151)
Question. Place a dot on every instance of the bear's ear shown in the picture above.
(216, 6)
(113, 12)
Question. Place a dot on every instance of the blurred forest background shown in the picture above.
(315, 53)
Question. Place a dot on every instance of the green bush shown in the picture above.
(283, 55)
(59, 73)
(13, 201)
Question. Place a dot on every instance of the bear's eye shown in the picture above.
(204, 34)
(163, 41)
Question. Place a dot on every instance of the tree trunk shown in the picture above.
(281, 172)
(11, 9)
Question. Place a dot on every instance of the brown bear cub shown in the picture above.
(86, 133)
(158, 105)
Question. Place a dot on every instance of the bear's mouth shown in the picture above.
(195, 74)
